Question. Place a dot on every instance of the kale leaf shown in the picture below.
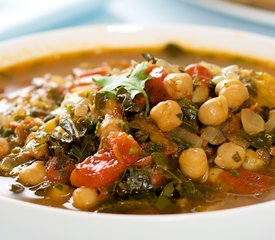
(183, 186)
(135, 183)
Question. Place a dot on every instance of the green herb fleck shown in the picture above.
(133, 150)
(234, 173)
(59, 187)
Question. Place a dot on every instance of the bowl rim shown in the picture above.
(60, 41)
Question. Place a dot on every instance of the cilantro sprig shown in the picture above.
(133, 82)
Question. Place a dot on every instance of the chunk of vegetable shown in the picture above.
(246, 182)
(155, 86)
(107, 164)
(59, 170)
(199, 73)
(252, 122)
(252, 161)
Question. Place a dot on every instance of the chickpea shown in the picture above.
(167, 115)
(213, 174)
(252, 161)
(234, 91)
(193, 163)
(252, 122)
(4, 147)
(217, 79)
(32, 174)
(235, 95)
(214, 111)
(85, 198)
(200, 94)
(178, 85)
(59, 192)
(230, 156)
(225, 83)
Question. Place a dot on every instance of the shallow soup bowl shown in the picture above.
(21, 220)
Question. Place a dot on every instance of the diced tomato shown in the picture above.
(246, 182)
(98, 170)
(107, 164)
(199, 73)
(139, 100)
(146, 161)
(59, 171)
(102, 71)
(155, 87)
(124, 147)
(158, 178)
(272, 151)
(85, 81)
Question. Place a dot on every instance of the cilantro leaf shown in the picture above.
(133, 82)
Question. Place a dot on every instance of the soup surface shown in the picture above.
(144, 131)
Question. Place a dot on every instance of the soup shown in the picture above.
(143, 131)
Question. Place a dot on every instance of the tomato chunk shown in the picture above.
(246, 182)
(58, 170)
(105, 166)
(199, 73)
(146, 161)
(155, 87)
(98, 170)
(124, 147)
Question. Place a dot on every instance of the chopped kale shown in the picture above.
(135, 183)
(189, 115)
(149, 57)
(87, 146)
(16, 188)
(185, 187)
(126, 102)
(261, 140)
(100, 100)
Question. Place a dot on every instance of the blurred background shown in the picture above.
(21, 17)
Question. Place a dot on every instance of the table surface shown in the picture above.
(18, 18)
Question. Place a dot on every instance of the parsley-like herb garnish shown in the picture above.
(134, 83)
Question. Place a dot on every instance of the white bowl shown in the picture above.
(20, 220)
